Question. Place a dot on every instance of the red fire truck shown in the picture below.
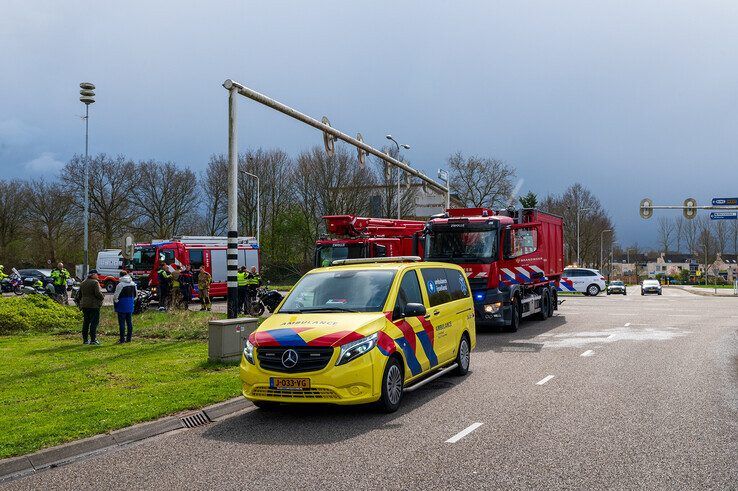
(513, 259)
(194, 251)
(351, 237)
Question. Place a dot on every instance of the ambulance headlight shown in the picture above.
(248, 352)
(355, 349)
(491, 308)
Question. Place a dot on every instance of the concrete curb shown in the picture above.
(17, 467)
(706, 293)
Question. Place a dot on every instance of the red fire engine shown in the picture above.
(513, 259)
(197, 252)
(351, 237)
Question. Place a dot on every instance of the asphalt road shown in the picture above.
(612, 392)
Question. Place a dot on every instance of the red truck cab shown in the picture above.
(513, 259)
(352, 237)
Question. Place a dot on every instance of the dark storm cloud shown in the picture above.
(632, 99)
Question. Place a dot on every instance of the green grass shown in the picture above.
(281, 288)
(54, 389)
(714, 286)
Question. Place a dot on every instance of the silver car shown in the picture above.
(650, 286)
(616, 287)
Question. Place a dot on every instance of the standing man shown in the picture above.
(164, 279)
(59, 277)
(2, 273)
(176, 292)
(242, 288)
(203, 284)
(253, 280)
(124, 300)
(185, 281)
(91, 299)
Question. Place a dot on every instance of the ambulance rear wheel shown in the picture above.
(392, 386)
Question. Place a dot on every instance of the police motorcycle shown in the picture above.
(143, 299)
(13, 283)
(35, 286)
(265, 299)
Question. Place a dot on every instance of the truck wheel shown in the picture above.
(392, 385)
(110, 287)
(514, 315)
(545, 306)
(593, 290)
(463, 356)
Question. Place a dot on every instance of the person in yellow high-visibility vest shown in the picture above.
(241, 276)
(253, 280)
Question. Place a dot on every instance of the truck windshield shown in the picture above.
(340, 291)
(325, 254)
(461, 245)
(143, 258)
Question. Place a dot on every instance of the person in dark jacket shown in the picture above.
(91, 299)
(124, 299)
(165, 279)
(185, 286)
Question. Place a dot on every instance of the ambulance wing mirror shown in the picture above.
(414, 310)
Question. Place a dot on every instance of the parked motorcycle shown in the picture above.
(265, 299)
(32, 287)
(143, 299)
(12, 283)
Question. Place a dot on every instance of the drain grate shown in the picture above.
(195, 420)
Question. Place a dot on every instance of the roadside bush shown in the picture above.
(36, 313)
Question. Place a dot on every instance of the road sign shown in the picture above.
(724, 215)
(724, 201)
(690, 208)
(646, 208)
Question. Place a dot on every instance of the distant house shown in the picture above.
(725, 266)
(672, 264)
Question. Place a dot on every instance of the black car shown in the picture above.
(35, 274)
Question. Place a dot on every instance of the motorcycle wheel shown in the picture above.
(18, 290)
(255, 309)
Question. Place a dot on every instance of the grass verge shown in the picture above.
(54, 389)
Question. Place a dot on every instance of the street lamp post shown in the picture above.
(602, 236)
(406, 147)
(443, 175)
(87, 97)
(258, 208)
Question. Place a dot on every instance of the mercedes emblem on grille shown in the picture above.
(289, 358)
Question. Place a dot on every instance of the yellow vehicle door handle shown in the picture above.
(436, 312)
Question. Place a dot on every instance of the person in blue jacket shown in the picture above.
(123, 301)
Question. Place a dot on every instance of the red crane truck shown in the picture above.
(513, 260)
(194, 251)
(351, 237)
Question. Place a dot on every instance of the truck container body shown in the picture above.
(352, 237)
(208, 253)
(513, 259)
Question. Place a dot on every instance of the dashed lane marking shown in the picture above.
(627, 324)
(589, 352)
(463, 433)
(544, 379)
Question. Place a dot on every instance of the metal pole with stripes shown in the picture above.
(232, 251)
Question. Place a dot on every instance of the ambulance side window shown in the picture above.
(409, 293)
(437, 285)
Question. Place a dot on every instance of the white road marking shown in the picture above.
(631, 313)
(627, 324)
(683, 315)
(589, 352)
(544, 380)
(463, 433)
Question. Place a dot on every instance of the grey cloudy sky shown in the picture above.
(631, 98)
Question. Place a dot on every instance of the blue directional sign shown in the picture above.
(724, 201)
(724, 215)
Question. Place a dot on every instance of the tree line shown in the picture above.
(41, 219)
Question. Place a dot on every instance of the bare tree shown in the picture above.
(665, 231)
(593, 220)
(164, 199)
(679, 226)
(49, 208)
(111, 183)
(691, 233)
(722, 235)
(481, 181)
(13, 199)
(734, 236)
(214, 188)
(706, 243)
(386, 189)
